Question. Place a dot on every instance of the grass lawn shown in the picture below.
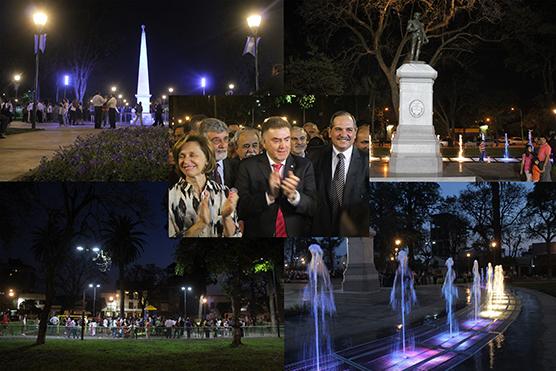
(548, 287)
(211, 354)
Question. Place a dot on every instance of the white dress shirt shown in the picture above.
(347, 159)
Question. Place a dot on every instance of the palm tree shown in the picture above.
(49, 249)
(124, 243)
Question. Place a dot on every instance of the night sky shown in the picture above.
(489, 58)
(185, 40)
(158, 248)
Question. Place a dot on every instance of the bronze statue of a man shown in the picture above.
(418, 36)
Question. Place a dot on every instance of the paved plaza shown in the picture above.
(22, 152)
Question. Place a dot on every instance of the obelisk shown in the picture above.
(143, 91)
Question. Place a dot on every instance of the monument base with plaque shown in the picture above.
(415, 149)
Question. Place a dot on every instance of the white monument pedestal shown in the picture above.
(415, 149)
(360, 274)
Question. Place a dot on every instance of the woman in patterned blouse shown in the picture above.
(198, 206)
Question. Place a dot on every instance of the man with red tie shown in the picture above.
(276, 189)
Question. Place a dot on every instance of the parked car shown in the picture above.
(517, 141)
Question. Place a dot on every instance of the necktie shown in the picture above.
(217, 177)
(338, 181)
(280, 226)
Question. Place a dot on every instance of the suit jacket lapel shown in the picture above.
(352, 175)
(264, 166)
(326, 169)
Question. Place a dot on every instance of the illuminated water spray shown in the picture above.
(450, 292)
(403, 297)
(476, 290)
(321, 298)
(506, 144)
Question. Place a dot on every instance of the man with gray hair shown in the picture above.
(299, 141)
(216, 132)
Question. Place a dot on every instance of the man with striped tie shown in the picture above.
(276, 189)
(342, 177)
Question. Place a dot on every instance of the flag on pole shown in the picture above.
(40, 43)
(250, 45)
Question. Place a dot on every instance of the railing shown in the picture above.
(197, 332)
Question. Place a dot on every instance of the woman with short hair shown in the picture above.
(198, 206)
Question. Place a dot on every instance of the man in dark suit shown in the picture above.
(216, 132)
(342, 176)
(276, 189)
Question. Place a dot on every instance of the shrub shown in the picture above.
(126, 154)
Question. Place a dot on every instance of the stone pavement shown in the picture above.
(22, 152)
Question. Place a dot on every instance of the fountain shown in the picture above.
(489, 277)
(320, 295)
(506, 152)
(460, 153)
(450, 292)
(476, 290)
(406, 293)
(530, 136)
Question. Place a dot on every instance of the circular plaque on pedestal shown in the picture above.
(416, 108)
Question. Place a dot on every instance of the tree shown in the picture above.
(400, 210)
(370, 32)
(124, 241)
(492, 213)
(231, 262)
(541, 210)
(49, 248)
(317, 74)
(144, 279)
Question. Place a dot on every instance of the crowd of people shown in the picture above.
(276, 181)
(104, 111)
(150, 326)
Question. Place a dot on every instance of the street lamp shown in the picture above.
(39, 19)
(113, 89)
(170, 90)
(203, 84)
(398, 242)
(254, 22)
(66, 83)
(94, 286)
(17, 81)
(185, 300)
(203, 301)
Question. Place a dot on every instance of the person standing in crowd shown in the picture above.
(112, 103)
(216, 132)
(138, 113)
(158, 114)
(299, 141)
(527, 162)
(198, 205)
(342, 177)
(49, 111)
(482, 151)
(544, 155)
(276, 189)
(362, 138)
(248, 143)
(98, 102)
(5, 117)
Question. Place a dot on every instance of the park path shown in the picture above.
(22, 152)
